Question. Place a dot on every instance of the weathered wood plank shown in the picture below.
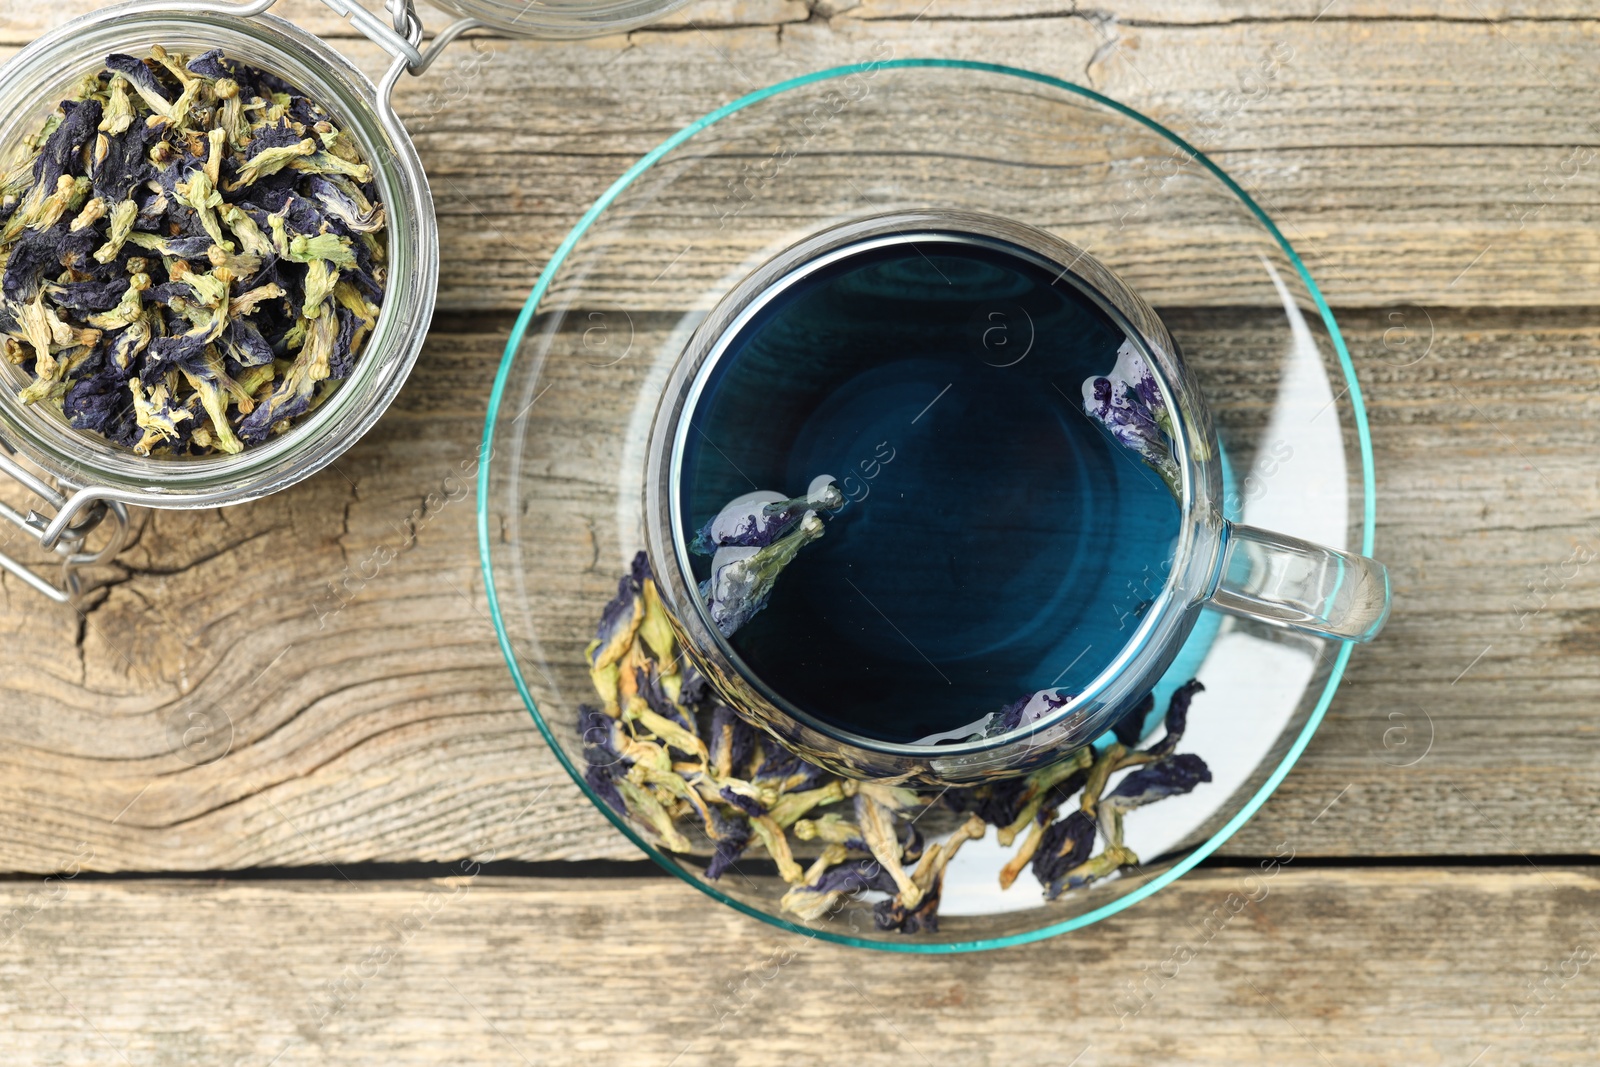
(1428, 967)
(391, 733)
(1397, 154)
(389, 730)
(22, 20)
(1432, 180)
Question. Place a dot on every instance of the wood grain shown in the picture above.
(1428, 967)
(1393, 164)
(1392, 208)
(22, 20)
(255, 689)
(389, 731)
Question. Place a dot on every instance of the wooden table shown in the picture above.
(299, 899)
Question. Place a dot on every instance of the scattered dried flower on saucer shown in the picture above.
(663, 750)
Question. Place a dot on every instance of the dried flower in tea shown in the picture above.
(190, 255)
(1128, 402)
(751, 540)
(754, 522)
(742, 578)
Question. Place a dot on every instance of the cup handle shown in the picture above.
(1292, 583)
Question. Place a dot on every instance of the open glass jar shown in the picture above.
(82, 480)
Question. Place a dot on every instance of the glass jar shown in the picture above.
(562, 18)
(94, 479)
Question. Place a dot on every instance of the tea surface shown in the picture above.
(994, 540)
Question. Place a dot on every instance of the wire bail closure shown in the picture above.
(65, 533)
(401, 38)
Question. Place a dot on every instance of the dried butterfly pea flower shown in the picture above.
(1024, 855)
(643, 804)
(1177, 717)
(1057, 794)
(1063, 864)
(31, 257)
(1037, 786)
(786, 771)
(665, 749)
(119, 163)
(824, 886)
(1129, 404)
(895, 914)
(604, 781)
(806, 900)
(651, 686)
(667, 731)
(1065, 844)
(62, 153)
(655, 629)
(144, 82)
(618, 624)
(758, 523)
(1129, 729)
(938, 856)
(666, 782)
(912, 915)
(742, 579)
(791, 806)
(211, 65)
(1099, 771)
(745, 801)
(342, 199)
(1050, 794)
(1113, 859)
(996, 803)
(1172, 776)
(817, 897)
(243, 344)
(139, 173)
(601, 734)
(93, 296)
(772, 838)
(831, 829)
(876, 821)
(729, 848)
(732, 741)
(275, 143)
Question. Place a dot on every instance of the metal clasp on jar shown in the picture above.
(70, 540)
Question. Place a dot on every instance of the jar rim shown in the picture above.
(563, 18)
(31, 85)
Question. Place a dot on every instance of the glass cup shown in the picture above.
(1269, 578)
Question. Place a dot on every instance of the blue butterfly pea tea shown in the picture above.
(976, 499)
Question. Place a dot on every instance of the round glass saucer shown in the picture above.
(569, 420)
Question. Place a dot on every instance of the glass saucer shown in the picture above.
(559, 503)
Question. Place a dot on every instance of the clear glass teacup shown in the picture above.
(933, 498)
